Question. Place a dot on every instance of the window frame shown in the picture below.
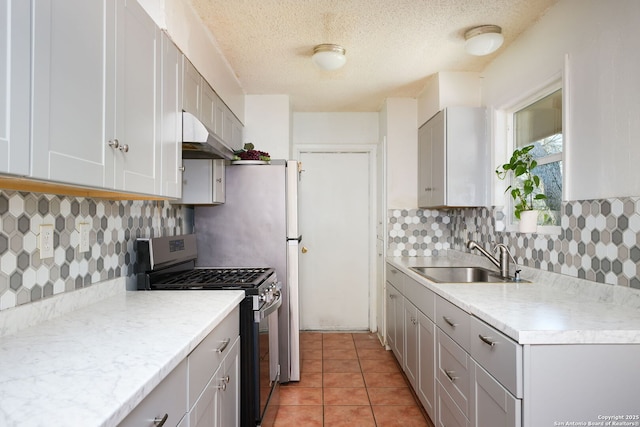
(508, 112)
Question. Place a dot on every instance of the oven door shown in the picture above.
(267, 321)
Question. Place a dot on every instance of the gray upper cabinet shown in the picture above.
(74, 76)
(137, 101)
(171, 119)
(201, 100)
(106, 98)
(453, 166)
(15, 63)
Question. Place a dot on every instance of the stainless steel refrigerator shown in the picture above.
(257, 226)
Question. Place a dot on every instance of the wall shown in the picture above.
(603, 112)
(25, 278)
(335, 128)
(400, 124)
(268, 124)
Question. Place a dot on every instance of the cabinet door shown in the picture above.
(171, 119)
(73, 87)
(191, 88)
(236, 135)
(15, 63)
(206, 411)
(395, 321)
(230, 396)
(426, 387)
(492, 405)
(438, 160)
(137, 105)
(411, 342)
(425, 141)
(208, 107)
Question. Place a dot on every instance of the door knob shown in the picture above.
(304, 250)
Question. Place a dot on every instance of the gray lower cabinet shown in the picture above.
(467, 373)
(203, 390)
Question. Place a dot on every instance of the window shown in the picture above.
(540, 124)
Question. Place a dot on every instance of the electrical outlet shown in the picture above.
(84, 228)
(46, 241)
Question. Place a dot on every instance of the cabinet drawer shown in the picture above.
(421, 297)
(491, 403)
(396, 278)
(449, 415)
(168, 398)
(453, 371)
(207, 356)
(453, 321)
(497, 354)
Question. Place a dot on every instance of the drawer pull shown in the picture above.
(451, 375)
(226, 379)
(159, 422)
(450, 321)
(224, 345)
(487, 340)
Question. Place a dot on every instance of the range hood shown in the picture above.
(199, 142)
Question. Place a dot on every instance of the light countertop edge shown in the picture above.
(94, 364)
(553, 309)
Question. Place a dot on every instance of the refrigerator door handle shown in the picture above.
(299, 238)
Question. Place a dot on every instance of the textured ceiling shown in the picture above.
(393, 46)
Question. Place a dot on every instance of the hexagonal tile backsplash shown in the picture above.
(114, 226)
(599, 240)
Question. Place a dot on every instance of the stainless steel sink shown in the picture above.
(460, 274)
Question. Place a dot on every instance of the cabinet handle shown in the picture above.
(226, 379)
(392, 296)
(181, 168)
(124, 148)
(222, 387)
(219, 180)
(394, 271)
(450, 375)
(224, 345)
(487, 340)
(114, 143)
(159, 422)
(450, 321)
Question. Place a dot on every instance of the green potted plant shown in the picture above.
(521, 165)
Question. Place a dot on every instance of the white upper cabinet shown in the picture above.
(73, 111)
(453, 166)
(15, 63)
(191, 88)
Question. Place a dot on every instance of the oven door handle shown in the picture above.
(264, 312)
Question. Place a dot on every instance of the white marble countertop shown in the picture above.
(552, 309)
(92, 365)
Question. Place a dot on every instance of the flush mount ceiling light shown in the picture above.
(329, 56)
(483, 40)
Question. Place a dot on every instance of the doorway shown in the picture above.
(336, 195)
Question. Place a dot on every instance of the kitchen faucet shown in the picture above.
(503, 263)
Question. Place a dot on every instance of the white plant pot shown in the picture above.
(528, 222)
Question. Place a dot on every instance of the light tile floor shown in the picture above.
(348, 380)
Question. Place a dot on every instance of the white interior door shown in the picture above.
(335, 201)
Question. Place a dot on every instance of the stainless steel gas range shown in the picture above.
(168, 263)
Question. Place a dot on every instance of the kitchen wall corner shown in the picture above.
(114, 226)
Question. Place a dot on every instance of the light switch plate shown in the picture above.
(83, 228)
(46, 241)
